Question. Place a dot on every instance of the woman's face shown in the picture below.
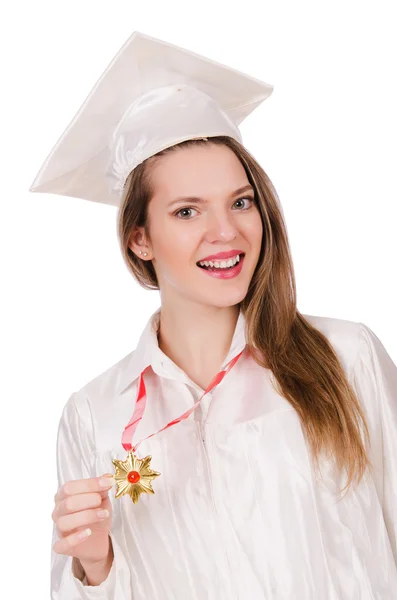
(185, 230)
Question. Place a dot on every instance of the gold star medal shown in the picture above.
(133, 476)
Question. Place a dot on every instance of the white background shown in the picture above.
(70, 309)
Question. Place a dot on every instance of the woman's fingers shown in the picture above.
(82, 519)
(76, 514)
(67, 544)
(81, 494)
(83, 486)
(73, 504)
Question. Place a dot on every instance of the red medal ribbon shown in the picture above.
(140, 405)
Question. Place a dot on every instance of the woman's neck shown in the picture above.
(197, 341)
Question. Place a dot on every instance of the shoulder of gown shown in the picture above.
(373, 376)
(106, 384)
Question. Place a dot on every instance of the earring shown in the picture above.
(144, 254)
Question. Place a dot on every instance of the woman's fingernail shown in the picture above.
(83, 534)
(108, 482)
(103, 514)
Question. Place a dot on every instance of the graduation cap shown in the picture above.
(151, 96)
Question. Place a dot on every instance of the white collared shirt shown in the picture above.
(237, 513)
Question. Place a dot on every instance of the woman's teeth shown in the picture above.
(222, 264)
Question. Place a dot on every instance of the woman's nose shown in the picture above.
(221, 227)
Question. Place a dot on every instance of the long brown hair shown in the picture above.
(305, 366)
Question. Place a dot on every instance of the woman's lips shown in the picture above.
(224, 273)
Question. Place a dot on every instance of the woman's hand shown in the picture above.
(76, 509)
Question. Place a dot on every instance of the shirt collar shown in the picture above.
(148, 352)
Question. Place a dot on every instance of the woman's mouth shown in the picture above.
(224, 272)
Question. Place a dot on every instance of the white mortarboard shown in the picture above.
(151, 96)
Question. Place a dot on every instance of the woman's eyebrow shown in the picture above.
(198, 200)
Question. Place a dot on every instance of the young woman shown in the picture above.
(268, 437)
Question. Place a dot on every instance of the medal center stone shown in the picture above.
(133, 477)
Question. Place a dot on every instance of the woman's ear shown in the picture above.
(137, 242)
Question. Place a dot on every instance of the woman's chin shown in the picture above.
(225, 299)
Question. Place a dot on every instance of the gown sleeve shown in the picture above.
(375, 382)
(74, 449)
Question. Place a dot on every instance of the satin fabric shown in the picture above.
(237, 512)
(151, 96)
(162, 117)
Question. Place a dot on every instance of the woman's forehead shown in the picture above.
(198, 171)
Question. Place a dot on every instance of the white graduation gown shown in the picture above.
(237, 513)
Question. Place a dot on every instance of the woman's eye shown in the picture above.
(183, 210)
(247, 198)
